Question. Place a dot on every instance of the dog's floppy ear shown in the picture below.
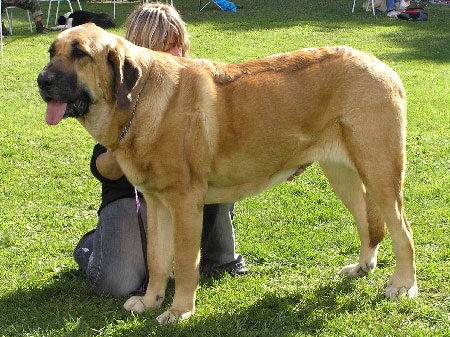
(126, 74)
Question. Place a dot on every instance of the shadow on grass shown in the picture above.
(67, 307)
(46, 308)
(283, 315)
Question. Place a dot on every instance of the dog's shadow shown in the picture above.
(67, 300)
(298, 313)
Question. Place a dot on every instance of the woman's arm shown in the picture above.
(108, 166)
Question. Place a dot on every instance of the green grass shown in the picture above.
(295, 237)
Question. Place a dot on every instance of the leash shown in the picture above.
(143, 287)
(143, 240)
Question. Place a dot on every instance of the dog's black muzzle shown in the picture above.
(45, 81)
(62, 86)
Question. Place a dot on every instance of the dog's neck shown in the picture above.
(127, 126)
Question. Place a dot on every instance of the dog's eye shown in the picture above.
(78, 53)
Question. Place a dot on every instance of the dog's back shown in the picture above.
(100, 19)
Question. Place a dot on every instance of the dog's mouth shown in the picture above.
(56, 110)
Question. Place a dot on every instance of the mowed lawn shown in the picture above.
(295, 237)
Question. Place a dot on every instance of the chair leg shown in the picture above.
(373, 7)
(70, 5)
(29, 21)
(200, 9)
(79, 5)
(367, 8)
(9, 18)
(57, 11)
(217, 4)
(48, 14)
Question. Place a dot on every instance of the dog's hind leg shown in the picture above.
(378, 151)
(347, 184)
(384, 182)
(159, 256)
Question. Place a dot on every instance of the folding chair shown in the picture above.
(57, 9)
(200, 7)
(9, 16)
(367, 8)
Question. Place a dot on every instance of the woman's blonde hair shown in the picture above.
(158, 27)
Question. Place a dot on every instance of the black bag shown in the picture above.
(413, 15)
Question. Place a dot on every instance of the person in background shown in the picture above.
(111, 254)
(392, 8)
(32, 5)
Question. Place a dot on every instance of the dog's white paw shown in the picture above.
(166, 318)
(139, 304)
(135, 304)
(358, 269)
(170, 317)
(395, 290)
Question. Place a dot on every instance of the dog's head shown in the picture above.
(62, 20)
(89, 69)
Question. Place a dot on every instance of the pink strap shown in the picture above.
(138, 204)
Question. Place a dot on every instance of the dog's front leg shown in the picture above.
(187, 216)
(159, 256)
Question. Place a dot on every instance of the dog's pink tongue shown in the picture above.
(55, 112)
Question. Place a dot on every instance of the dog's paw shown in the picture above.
(396, 289)
(358, 269)
(139, 304)
(170, 317)
(135, 304)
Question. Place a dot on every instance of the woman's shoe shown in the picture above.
(393, 13)
(236, 267)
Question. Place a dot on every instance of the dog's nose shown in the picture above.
(45, 80)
